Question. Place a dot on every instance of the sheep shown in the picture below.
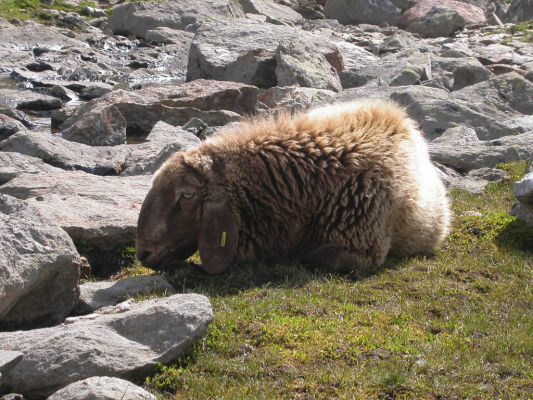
(338, 187)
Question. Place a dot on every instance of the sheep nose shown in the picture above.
(143, 255)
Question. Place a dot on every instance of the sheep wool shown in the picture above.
(338, 187)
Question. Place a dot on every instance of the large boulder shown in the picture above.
(363, 11)
(28, 100)
(39, 268)
(434, 18)
(9, 126)
(138, 18)
(15, 164)
(125, 344)
(102, 388)
(275, 13)
(245, 51)
(8, 361)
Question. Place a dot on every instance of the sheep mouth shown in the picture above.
(172, 258)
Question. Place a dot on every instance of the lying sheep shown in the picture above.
(338, 187)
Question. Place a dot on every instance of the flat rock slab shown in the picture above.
(100, 211)
(102, 388)
(125, 345)
(95, 295)
(62, 153)
(39, 268)
(14, 164)
(8, 361)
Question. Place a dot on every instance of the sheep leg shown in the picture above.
(331, 258)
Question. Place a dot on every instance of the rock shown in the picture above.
(95, 295)
(467, 75)
(102, 388)
(523, 191)
(407, 76)
(214, 102)
(96, 124)
(274, 12)
(137, 18)
(68, 155)
(519, 11)
(93, 12)
(99, 213)
(9, 126)
(28, 100)
(434, 18)
(39, 268)
(8, 361)
(498, 54)
(17, 115)
(125, 345)
(469, 155)
(160, 144)
(363, 11)
(165, 35)
(14, 164)
(292, 98)
(245, 51)
(12, 396)
(302, 67)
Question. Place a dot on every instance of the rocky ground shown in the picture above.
(93, 102)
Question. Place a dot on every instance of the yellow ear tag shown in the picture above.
(223, 239)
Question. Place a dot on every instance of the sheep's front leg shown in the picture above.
(332, 258)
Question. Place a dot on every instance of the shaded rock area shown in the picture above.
(39, 267)
(93, 103)
(95, 295)
(120, 343)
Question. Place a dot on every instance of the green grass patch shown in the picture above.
(455, 326)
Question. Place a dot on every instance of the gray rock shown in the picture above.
(523, 189)
(165, 35)
(523, 212)
(39, 268)
(95, 295)
(163, 141)
(498, 54)
(14, 164)
(9, 126)
(214, 102)
(126, 344)
(68, 155)
(245, 51)
(467, 75)
(28, 100)
(96, 124)
(8, 361)
(302, 67)
(434, 18)
(466, 156)
(273, 12)
(102, 388)
(99, 211)
(138, 18)
(407, 76)
(12, 396)
(363, 11)
(292, 98)
(519, 11)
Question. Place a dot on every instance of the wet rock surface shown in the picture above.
(92, 107)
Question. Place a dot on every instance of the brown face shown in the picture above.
(169, 221)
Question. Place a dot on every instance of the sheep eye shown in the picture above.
(188, 195)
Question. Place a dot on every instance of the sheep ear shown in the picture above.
(218, 236)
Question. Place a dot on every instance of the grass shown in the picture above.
(34, 9)
(455, 326)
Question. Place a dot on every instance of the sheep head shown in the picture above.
(185, 211)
